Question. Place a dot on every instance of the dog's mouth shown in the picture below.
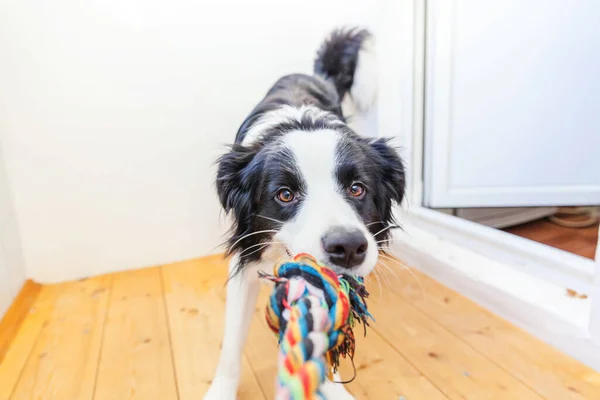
(340, 271)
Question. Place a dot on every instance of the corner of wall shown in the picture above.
(12, 267)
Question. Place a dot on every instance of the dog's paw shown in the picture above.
(222, 388)
(335, 391)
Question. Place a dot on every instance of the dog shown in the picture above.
(299, 179)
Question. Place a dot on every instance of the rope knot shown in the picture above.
(313, 312)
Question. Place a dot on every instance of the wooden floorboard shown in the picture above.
(194, 293)
(448, 362)
(156, 333)
(21, 346)
(64, 359)
(580, 241)
(549, 372)
(10, 323)
(135, 360)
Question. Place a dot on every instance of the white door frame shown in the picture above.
(522, 281)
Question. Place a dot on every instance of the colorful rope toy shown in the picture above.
(313, 312)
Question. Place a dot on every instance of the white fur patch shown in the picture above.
(364, 86)
(281, 115)
(359, 106)
(323, 206)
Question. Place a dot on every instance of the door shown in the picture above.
(512, 103)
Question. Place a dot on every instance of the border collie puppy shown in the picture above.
(298, 179)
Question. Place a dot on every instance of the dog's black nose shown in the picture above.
(346, 248)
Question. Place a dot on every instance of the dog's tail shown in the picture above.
(347, 59)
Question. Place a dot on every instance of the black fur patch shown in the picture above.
(248, 179)
(338, 56)
(374, 163)
(294, 90)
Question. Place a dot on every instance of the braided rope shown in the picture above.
(313, 311)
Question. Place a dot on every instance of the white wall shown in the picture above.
(112, 113)
(12, 271)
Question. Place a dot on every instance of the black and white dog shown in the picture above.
(299, 179)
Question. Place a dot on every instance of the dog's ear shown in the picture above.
(390, 169)
(234, 177)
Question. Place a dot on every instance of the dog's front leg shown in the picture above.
(335, 391)
(242, 291)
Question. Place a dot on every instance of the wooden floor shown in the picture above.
(580, 241)
(155, 334)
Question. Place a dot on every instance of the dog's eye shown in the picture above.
(357, 190)
(285, 195)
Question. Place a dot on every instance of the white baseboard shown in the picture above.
(536, 259)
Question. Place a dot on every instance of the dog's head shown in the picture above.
(326, 192)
